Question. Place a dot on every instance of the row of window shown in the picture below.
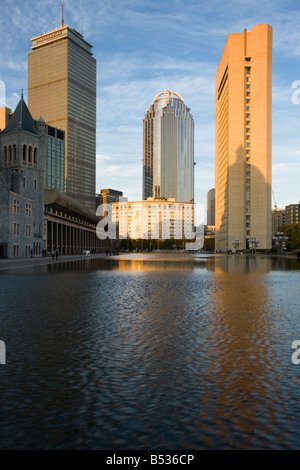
(16, 229)
(28, 250)
(16, 208)
(248, 151)
(29, 153)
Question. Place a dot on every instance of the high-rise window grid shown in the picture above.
(248, 151)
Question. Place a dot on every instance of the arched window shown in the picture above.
(5, 155)
(24, 153)
(30, 156)
(14, 152)
(35, 156)
(9, 155)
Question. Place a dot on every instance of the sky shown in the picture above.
(144, 47)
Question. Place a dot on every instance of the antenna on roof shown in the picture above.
(62, 13)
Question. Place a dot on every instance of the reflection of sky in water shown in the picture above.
(151, 352)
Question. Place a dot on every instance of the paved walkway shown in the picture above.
(40, 261)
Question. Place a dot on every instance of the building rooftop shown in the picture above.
(21, 120)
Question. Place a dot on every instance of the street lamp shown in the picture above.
(254, 243)
(280, 241)
(236, 244)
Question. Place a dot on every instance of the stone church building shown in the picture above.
(22, 166)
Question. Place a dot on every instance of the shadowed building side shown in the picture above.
(243, 139)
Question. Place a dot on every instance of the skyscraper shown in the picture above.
(62, 89)
(211, 207)
(168, 149)
(243, 139)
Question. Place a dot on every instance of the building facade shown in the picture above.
(243, 139)
(154, 219)
(55, 159)
(211, 207)
(107, 196)
(292, 214)
(22, 165)
(62, 89)
(168, 149)
(70, 226)
(278, 220)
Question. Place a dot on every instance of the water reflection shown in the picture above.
(151, 352)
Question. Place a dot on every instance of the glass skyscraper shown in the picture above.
(62, 90)
(168, 149)
(55, 159)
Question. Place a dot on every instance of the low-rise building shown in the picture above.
(278, 220)
(292, 213)
(154, 219)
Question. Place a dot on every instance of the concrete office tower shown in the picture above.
(243, 139)
(62, 89)
(211, 207)
(168, 149)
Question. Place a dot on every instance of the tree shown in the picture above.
(292, 231)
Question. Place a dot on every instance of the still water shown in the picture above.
(151, 352)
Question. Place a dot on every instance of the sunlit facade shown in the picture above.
(244, 140)
(154, 219)
(168, 149)
(62, 89)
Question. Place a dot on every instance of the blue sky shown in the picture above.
(143, 47)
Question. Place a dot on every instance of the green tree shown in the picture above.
(292, 231)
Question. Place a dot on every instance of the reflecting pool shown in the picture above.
(151, 351)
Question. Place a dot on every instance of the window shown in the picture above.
(35, 156)
(16, 206)
(16, 229)
(24, 153)
(28, 230)
(24, 182)
(35, 184)
(28, 210)
(16, 251)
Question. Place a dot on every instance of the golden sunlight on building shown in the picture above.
(243, 139)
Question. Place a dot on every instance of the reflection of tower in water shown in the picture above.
(239, 370)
